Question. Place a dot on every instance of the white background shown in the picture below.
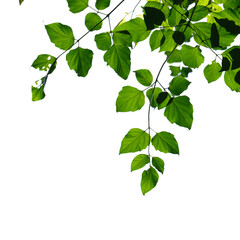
(60, 173)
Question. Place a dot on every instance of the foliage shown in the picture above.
(178, 28)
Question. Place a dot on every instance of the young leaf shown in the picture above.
(43, 62)
(130, 99)
(61, 35)
(175, 70)
(191, 56)
(139, 161)
(80, 60)
(103, 41)
(178, 85)
(76, 6)
(102, 4)
(93, 22)
(169, 44)
(180, 111)
(158, 163)
(155, 39)
(149, 180)
(212, 71)
(135, 140)
(38, 93)
(152, 17)
(165, 142)
(118, 58)
(144, 76)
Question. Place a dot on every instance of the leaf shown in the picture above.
(180, 111)
(93, 22)
(237, 77)
(169, 44)
(175, 70)
(200, 12)
(139, 161)
(162, 97)
(214, 36)
(136, 27)
(76, 6)
(21, 1)
(80, 60)
(153, 99)
(230, 26)
(61, 35)
(158, 163)
(175, 15)
(149, 180)
(103, 41)
(178, 85)
(102, 4)
(153, 17)
(178, 37)
(231, 56)
(155, 39)
(122, 38)
(118, 58)
(212, 71)
(165, 142)
(43, 62)
(130, 99)
(175, 56)
(191, 56)
(144, 77)
(230, 80)
(135, 140)
(38, 92)
(185, 71)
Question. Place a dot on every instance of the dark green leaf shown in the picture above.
(93, 22)
(130, 99)
(76, 6)
(152, 17)
(153, 99)
(80, 60)
(178, 85)
(43, 62)
(212, 71)
(237, 77)
(230, 26)
(191, 56)
(136, 27)
(61, 35)
(118, 58)
(214, 36)
(139, 161)
(226, 64)
(149, 180)
(103, 41)
(122, 38)
(155, 39)
(233, 56)
(200, 12)
(135, 140)
(175, 70)
(178, 37)
(21, 1)
(158, 163)
(185, 71)
(144, 76)
(102, 4)
(175, 15)
(165, 142)
(180, 111)
(162, 97)
(169, 44)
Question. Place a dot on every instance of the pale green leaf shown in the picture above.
(155, 39)
(212, 71)
(144, 76)
(139, 161)
(43, 62)
(76, 6)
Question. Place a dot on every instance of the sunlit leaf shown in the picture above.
(212, 71)
(158, 163)
(149, 180)
(155, 39)
(200, 12)
(93, 21)
(144, 76)
(102, 4)
(43, 62)
(122, 38)
(76, 6)
(103, 41)
(178, 85)
(139, 161)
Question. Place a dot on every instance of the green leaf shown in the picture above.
(165, 142)
(200, 12)
(175, 15)
(93, 22)
(61, 35)
(80, 60)
(229, 78)
(214, 36)
(135, 140)
(139, 161)
(158, 163)
(237, 77)
(155, 39)
(136, 27)
(153, 17)
(102, 4)
(178, 37)
(178, 85)
(76, 6)
(153, 99)
(175, 70)
(230, 26)
(43, 62)
(149, 180)
(103, 41)
(21, 1)
(118, 58)
(212, 71)
(185, 71)
(144, 77)
(169, 44)
(175, 56)
(122, 38)
(38, 92)
(162, 97)
(231, 58)
(191, 56)
(180, 111)
(130, 99)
